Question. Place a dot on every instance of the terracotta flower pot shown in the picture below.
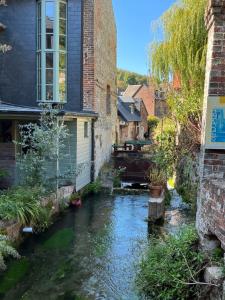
(155, 191)
(75, 202)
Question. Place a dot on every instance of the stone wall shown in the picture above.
(99, 71)
(211, 200)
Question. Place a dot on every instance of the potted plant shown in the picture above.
(157, 180)
(75, 200)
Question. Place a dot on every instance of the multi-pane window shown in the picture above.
(85, 129)
(51, 50)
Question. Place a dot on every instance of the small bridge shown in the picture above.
(135, 161)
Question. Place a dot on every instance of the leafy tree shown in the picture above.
(41, 145)
(182, 52)
(124, 78)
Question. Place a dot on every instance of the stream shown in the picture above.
(89, 253)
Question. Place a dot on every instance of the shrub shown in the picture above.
(6, 250)
(157, 176)
(23, 205)
(171, 268)
(92, 188)
(3, 173)
(152, 123)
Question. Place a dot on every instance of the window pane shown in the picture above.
(62, 61)
(49, 26)
(39, 26)
(62, 85)
(39, 60)
(39, 10)
(49, 41)
(39, 76)
(62, 9)
(49, 60)
(49, 76)
(62, 42)
(50, 10)
(39, 92)
(49, 92)
(62, 26)
(39, 42)
(85, 129)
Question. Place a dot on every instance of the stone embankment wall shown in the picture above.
(211, 200)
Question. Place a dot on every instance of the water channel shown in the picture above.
(89, 253)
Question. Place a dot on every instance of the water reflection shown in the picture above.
(90, 253)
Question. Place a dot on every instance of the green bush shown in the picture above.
(171, 268)
(152, 123)
(6, 250)
(93, 188)
(3, 173)
(23, 205)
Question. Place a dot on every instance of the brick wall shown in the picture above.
(99, 71)
(211, 200)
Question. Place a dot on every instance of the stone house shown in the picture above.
(144, 92)
(64, 54)
(154, 99)
(132, 119)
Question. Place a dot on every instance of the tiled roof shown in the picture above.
(132, 90)
(124, 111)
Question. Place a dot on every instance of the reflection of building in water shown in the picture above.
(218, 125)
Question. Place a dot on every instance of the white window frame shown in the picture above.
(56, 52)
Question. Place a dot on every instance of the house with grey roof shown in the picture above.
(132, 119)
(59, 57)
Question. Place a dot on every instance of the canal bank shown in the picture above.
(89, 253)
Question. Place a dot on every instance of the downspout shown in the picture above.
(92, 150)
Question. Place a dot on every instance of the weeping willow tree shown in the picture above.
(182, 53)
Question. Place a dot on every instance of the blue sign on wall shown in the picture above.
(218, 125)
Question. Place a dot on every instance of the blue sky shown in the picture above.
(134, 29)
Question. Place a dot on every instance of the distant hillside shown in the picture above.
(124, 78)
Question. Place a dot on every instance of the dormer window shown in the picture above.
(51, 50)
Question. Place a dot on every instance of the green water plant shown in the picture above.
(171, 268)
(60, 240)
(15, 272)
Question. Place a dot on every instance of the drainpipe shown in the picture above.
(93, 150)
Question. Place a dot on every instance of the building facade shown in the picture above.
(132, 119)
(64, 54)
(144, 92)
(211, 200)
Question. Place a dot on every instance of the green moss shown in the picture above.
(59, 240)
(64, 269)
(16, 271)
